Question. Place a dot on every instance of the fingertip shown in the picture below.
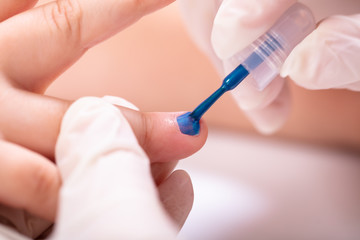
(158, 133)
(171, 143)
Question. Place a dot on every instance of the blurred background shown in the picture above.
(301, 183)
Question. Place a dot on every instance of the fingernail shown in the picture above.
(188, 125)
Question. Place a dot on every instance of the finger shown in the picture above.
(31, 120)
(267, 109)
(328, 58)
(160, 136)
(158, 133)
(273, 116)
(160, 171)
(28, 181)
(9, 8)
(47, 40)
(177, 196)
(242, 22)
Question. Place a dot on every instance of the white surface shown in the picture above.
(256, 188)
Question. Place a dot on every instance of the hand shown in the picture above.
(36, 46)
(225, 27)
(107, 180)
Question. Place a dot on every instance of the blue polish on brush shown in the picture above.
(189, 122)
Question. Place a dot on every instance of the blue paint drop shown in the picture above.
(188, 125)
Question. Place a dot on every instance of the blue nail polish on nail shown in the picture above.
(188, 125)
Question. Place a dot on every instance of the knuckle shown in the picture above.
(65, 16)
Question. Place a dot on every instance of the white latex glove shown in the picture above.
(327, 58)
(108, 191)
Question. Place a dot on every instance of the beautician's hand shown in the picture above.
(35, 47)
(328, 58)
(108, 191)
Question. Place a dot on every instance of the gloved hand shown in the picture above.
(92, 127)
(327, 58)
(108, 191)
(36, 45)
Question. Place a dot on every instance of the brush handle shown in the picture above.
(229, 83)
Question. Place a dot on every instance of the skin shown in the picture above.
(36, 46)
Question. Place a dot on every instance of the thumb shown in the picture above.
(106, 178)
(238, 23)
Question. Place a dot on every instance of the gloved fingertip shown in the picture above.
(264, 125)
(298, 65)
(271, 118)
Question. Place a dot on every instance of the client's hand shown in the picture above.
(108, 191)
(37, 45)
